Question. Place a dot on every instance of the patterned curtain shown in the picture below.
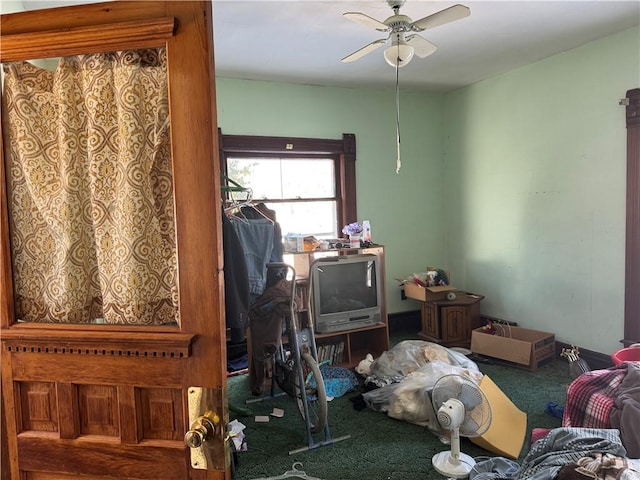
(91, 191)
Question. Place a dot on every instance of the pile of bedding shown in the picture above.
(599, 438)
(607, 399)
(566, 453)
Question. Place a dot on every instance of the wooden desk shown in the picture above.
(450, 322)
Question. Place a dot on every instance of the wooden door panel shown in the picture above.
(38, 406)
(63, 476)
(431, 320)
(92, 402)
(161, 413)
(97, 409)
(85, 369)
(67, 426)
(455, 324)
(94, 458)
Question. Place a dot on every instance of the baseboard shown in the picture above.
(595, 360)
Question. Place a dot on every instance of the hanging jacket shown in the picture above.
(236, 282)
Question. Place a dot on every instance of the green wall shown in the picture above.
(515, 184)
(535, 198)
(406, 209)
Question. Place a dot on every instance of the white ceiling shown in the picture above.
(302, 41)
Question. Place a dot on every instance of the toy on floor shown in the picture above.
(364, 367)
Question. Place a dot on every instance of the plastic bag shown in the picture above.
(406, 375)
(410, 355)
(411, 402)
(410, 399)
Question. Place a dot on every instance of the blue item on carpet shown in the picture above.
(554, 410)
(337, 380)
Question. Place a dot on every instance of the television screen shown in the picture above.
(346, 292)
(347, 286)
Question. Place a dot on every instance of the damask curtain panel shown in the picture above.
(91, 191)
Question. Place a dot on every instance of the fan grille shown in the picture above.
(477, 409)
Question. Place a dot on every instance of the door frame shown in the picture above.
(632, 250)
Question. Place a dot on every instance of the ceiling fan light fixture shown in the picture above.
(399, 54)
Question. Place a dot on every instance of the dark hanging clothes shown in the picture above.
(236, 283)
(269, 293)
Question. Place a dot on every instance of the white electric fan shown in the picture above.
(463, 409)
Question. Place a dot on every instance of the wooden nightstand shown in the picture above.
(450, 322)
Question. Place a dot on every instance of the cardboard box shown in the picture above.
(517, 345)
(428, 294)
(508, 428)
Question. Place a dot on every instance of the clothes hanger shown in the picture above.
(293, 473)
(230, 187)
(234, 211)
(259, 210)
(233, 206)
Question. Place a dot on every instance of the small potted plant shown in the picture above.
(354, 232)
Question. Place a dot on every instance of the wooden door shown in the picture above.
(107, 401)
(430, 321)
(455, 325)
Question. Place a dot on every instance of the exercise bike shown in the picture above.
(296, 371)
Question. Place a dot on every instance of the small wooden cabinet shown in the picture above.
(350, 346)
(450, 322)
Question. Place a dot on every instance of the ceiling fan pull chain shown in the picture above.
(398, 162)
(403, 46)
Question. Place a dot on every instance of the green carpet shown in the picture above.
(380, 447)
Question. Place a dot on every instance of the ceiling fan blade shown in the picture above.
(421, 46)
(364, 50)
(447, 15)
(366, 20)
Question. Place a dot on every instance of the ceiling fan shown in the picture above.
(404, 43)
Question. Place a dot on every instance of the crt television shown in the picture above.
(346, 292)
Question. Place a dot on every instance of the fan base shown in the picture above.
(446, 465)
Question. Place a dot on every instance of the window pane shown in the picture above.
(307, 218)
(283, 178)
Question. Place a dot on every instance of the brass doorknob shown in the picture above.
(202, 429)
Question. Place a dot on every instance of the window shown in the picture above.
(310, 183)
(301, 190)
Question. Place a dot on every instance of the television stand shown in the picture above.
(347, 347)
